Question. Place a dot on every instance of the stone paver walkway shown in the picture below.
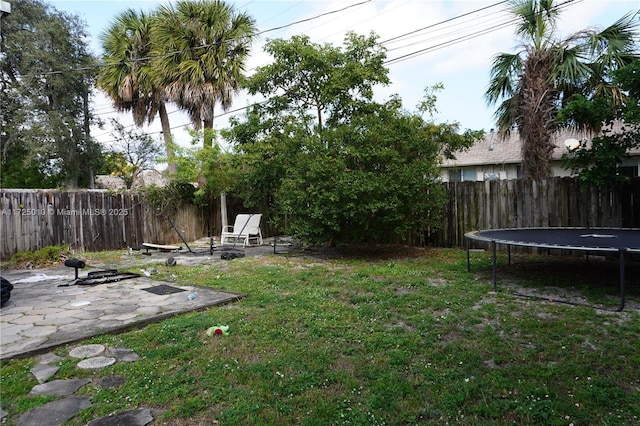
(67, 405)
(41, 315)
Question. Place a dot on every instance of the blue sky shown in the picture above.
(454, 50)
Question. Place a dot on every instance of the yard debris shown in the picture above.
(148, 272)
(218, 329)
(6, 291)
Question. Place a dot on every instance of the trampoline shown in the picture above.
(589, 240)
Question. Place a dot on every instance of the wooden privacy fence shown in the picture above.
(93, 220)
(88, 220)
(548, 203)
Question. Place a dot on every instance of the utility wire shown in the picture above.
(443, 22)
(331, 12)
(466, 37)
(407, 56)
(315, 17)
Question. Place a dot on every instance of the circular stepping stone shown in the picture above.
(96, 362)
(86, 351)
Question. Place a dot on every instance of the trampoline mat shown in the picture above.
(571, 237)
(163, 289)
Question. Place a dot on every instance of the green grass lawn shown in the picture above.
(382, 340)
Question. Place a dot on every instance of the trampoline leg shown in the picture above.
(493, 249)
(622, 279)
(468, 261)
(509, 254)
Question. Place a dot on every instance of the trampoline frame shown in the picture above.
(477, 236)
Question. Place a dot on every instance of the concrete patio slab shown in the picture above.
(40, 315)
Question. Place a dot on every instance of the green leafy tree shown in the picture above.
(334, 165)
(325, 79)
(126, 75)
(47, 75)
(201, 48)
(377, 179)
(209, 166)
(534, 82)
(132, 152)
(266, 144)
(598, 163)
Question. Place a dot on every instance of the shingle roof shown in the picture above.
(492, 149)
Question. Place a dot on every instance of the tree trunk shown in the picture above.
(87, 135)
(168, 140)
(208, 133)
(223, 210)
(536, 117)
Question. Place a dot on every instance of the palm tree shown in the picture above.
(202, 47)
(126, 75)
(534, 82)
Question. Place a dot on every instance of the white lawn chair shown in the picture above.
(245, 230)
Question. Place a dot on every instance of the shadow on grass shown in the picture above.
(592, 280)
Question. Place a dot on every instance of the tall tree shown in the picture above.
(535, 81)
(131, 153)
(47, 75)
(201, 50)
(325, 79)
(334, 165)
(127, 76)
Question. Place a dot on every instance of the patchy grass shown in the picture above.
(382, 340)
(42, 258)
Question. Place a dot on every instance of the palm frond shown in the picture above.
(505, 72)
(504, 117)
(568, 65)
(537, 21)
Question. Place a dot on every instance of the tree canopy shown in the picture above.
(47, 76)
(333, 164)
(323, 78)
(127, 76)
(599, 161)
(534, 82)
(199, 56)
(131, 153)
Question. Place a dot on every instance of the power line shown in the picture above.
(465, 37)
(85, 68)
(315, 17)
(413, 54)
(352, 25)
(441, 34)
(443, 22)
(448, 43)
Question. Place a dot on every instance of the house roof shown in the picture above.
(492, 149)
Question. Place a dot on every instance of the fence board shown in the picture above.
(552, 202)
(88, 220)
(94, 220)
